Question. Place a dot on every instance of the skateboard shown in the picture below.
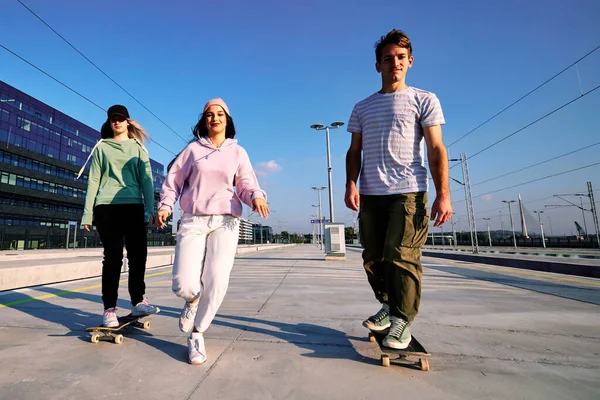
(414, 349)
(105, 333)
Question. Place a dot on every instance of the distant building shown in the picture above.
(262, 234)
(41, 152)
(245, 236)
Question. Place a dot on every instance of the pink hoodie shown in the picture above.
(204, 176)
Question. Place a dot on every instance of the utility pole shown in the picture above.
(590, 195)
(512, 225)
(594, 212)
(470, 208)
(539, 214)
(453, 230)
(469, 200)
(583, 216)
(488, 229)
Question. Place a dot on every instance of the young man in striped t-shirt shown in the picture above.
(387, 150)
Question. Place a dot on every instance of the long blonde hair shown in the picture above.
(135, 131)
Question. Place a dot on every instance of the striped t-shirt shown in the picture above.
(391, 125)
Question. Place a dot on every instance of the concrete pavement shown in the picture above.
(290, 328)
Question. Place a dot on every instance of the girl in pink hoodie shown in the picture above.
(203, 177)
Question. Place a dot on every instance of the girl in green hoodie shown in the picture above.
(120, 201)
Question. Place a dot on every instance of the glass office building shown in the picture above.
(41, 152)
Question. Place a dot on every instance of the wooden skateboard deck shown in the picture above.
(414, 349)
(106, 333)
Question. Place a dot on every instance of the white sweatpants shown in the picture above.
(204, 256)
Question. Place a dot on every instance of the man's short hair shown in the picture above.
(396, 37)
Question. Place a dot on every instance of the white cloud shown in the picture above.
(487, 197)
(266, 168)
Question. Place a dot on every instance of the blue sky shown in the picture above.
(282, 66)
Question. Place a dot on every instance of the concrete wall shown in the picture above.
(27, 268)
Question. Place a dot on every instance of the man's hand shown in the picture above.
(441, 210)
(161, 218)
(261, 207)
(352, 197)
(86, 227)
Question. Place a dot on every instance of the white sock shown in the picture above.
(196, 335)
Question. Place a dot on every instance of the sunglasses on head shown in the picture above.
(117, 118)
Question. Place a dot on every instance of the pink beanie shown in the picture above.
(216, 102)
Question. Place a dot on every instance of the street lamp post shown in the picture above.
(539, 214)
(512, 226)
(488, 229)
(318, 189)
(320, 127)
(319, 239)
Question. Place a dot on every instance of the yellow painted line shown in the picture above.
(505, 270)
(66, 292)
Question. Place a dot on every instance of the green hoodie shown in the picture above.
(119, 174)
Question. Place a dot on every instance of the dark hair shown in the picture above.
(106, 131)
(200, 130)
(396, 37)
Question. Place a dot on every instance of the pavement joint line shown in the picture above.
(440, 267)
(509, 270)
(67, 292)
(234, 340)
(250, 255)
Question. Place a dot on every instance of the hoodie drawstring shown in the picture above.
(88, 159)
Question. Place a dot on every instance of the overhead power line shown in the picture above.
(533, 180)
(537, 164)
(69, 88)
(101, 71)
(486, 212)
(51, 77)
(532, 123)
(523, 97)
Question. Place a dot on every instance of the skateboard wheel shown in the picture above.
(385, 360)
(146, 325)
(424, 364)
(118, 339)
(371, 337)
(95, 338)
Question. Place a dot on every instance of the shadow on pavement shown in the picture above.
(321, 341)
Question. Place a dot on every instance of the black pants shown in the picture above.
(120, 224)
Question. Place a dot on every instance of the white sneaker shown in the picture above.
(187, 317)
(144, 308)
(109, 318)
(196, 349)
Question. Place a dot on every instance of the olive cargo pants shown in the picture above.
(392, 230)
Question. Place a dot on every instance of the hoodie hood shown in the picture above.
(206, 142)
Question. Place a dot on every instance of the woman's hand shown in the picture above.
(161, 218)
(86, 227)
(150, 221)
(261, 207)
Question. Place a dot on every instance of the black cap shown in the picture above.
(117, 109)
